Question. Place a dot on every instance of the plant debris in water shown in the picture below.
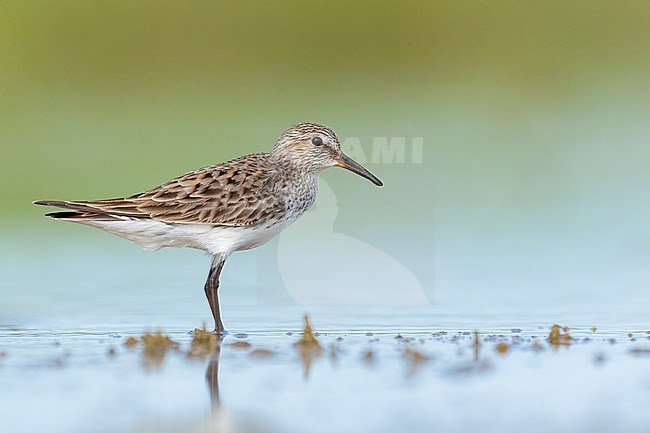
(400, 338)
(262, 353)
(558, 338)
(155, 348)
(308, 346)
(414, 357)
(368, 356)
(333, 352)
(308, 339)
(640, 352)
(240, 345)
(203, 343)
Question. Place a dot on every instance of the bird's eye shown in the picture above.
(317, 141)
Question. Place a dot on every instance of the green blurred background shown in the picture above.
(535, 118)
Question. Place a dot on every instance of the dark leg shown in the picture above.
(211, 288)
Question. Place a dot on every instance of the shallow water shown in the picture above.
(65, 316)
(65, 380)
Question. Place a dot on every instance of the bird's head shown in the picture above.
(314, 147)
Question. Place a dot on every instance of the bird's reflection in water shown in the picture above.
(212, 379)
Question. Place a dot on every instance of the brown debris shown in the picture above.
(414, 357)
(333, 352)
(557, 338)
(640, 352)
(308, 339)
(155, 348)
(240, 345)
(399, 337)
(368, 356)
(203, 343)
(502, 347)
(262, 353)
(130, 342)
(308, 347)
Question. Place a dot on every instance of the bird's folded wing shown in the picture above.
(240, 192)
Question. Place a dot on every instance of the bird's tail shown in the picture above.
(78, 211)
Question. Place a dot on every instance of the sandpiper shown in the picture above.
(223, 208)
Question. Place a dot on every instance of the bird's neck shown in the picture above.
(295, 166)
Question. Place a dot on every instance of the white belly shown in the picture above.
(153, 235)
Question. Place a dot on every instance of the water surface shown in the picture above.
(66, 313)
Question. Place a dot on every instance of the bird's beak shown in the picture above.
(349, 164)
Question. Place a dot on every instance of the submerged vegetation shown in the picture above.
(415, 358)
(203, 343)
(308, 346)
(308, 338)
(559, 336)
(155, 346)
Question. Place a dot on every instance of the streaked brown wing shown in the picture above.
(236, 193)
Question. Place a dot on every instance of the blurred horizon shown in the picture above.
(534, 118)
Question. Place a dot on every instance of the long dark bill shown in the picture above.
(350, 164)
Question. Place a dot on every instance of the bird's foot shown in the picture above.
(220, 332)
